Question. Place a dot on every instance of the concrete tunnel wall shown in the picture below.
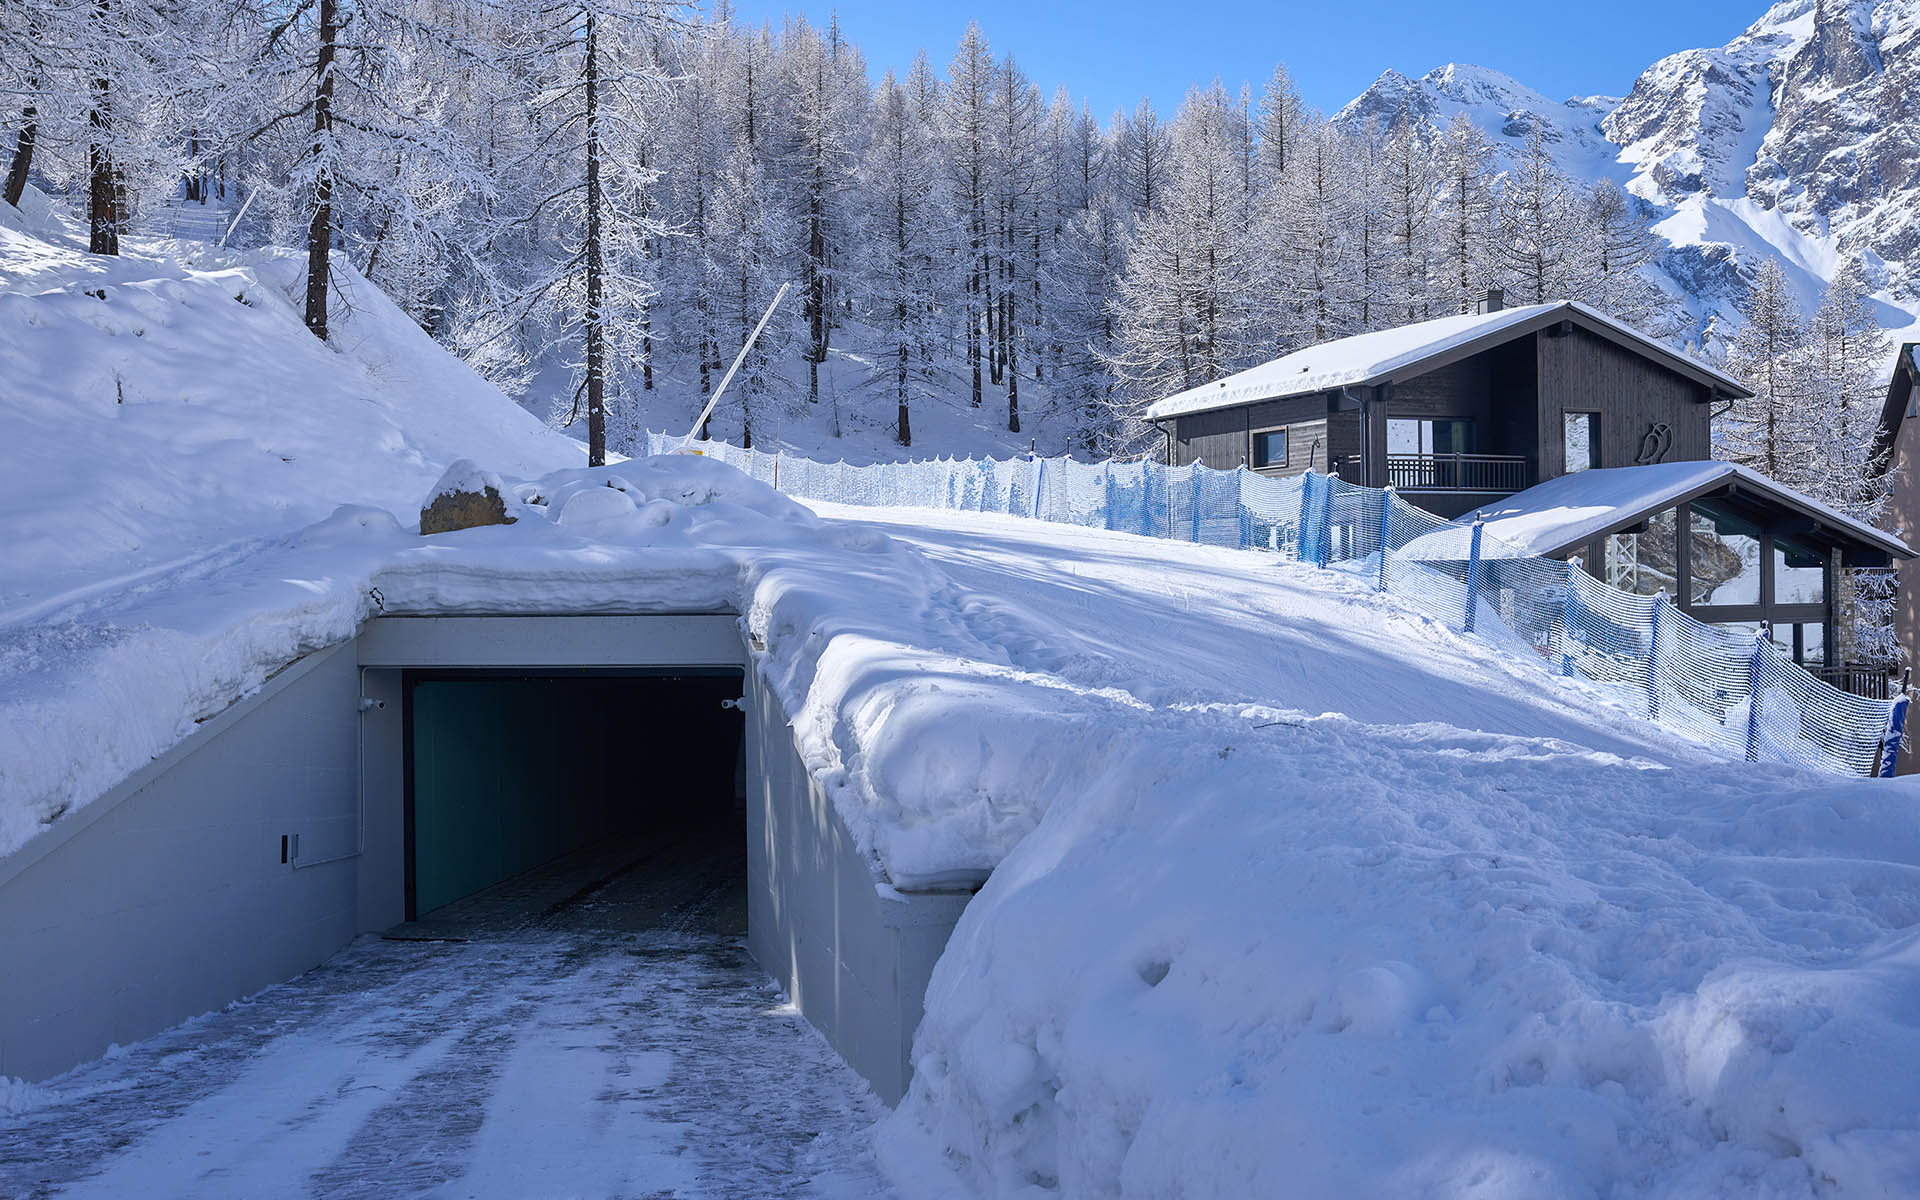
(168, 896)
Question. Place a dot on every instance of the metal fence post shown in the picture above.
(1039, 484)
(1890, 745)
(1386, 524)
(1326, 520)
(1760, 640)
(1566, 617)
(1193, 502)
(1240, 506)
(1473, 572)
(1653, 657)
(1306, 502)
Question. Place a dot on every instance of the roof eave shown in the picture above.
(1865, 536)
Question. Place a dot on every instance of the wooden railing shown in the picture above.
(1875, 683)
(1448, 472)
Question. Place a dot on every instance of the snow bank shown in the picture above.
(939, 753)
(1300, 956)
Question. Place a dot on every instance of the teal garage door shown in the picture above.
(507, 772)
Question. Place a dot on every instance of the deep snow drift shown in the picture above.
(1299, 928)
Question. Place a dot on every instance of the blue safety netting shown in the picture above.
(1727, 687)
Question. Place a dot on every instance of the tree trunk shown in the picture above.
(1013, 388)
(103, 218)
(816, 280)
(320, 226)
(973, 306)
(23, 155)
(595, 317)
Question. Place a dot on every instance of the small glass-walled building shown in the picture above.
(1727, 545)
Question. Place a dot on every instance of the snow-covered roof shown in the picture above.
(1401, 352)
(1564, 512)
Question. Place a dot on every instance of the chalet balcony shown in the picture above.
(1875, 683)
(1501, 473)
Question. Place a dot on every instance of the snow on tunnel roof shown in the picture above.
(1567, 511)
(1371, 357)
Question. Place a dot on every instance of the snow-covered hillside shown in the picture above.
(166, 410)
(1798, 140)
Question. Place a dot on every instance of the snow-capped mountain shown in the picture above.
(1798, 139)
(1505, 108)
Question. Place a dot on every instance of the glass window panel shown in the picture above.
(1810, 645)
(1453, 437)
(1724, 555)
(1656, 559)
(1582, 438)
(1799, 573)
(1427, 435)
(1270, 448)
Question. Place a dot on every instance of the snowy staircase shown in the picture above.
(191, 220)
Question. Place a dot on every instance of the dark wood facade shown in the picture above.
(1897, 449)
(1516, 391)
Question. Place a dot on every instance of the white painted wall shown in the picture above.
(167, 897)
(854, 954)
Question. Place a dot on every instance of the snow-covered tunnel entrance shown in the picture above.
(445, 769)
(556, 783)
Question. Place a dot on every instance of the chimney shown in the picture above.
(1492, 302)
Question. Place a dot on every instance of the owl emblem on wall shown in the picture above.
(1655, 443)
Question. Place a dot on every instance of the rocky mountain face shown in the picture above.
(1799, 139)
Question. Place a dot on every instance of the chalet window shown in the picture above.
(1428, 435)
(1724, 557)
(1799, 573)
(1270, 448)
(1810, 644)
(1805, 642)
(1582, 440)
(1646, 561)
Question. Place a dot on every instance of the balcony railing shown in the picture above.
(1459, 472)
(1875, 683)
(1446, 472)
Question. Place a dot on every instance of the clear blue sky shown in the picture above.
(1110, 54)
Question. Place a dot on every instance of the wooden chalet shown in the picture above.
(1459, 411)
(1897, 451)
(1573, 435)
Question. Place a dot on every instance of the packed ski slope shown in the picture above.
(1292, 891)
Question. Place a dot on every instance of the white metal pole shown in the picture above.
(235, 224)
(728, 377)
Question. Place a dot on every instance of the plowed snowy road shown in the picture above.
(530, 1063)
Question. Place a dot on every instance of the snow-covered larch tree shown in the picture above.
(905, 223)
(1466, 214)
(593, 91)
(1411, 181)
(1769, 353)
(1539, 222)
(970, 79)
(1847, 358)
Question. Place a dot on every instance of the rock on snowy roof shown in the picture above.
(1390, 354)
